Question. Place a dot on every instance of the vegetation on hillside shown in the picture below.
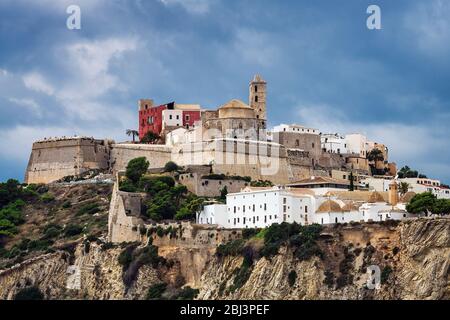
(426, 203)
(302, 240)
(12, 200)
(165, 198)
(37, 219)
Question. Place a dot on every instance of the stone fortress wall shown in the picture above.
(54, 159)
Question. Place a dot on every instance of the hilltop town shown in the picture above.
(202, 201)
(289, 173)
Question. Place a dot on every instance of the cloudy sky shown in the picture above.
(324, 68)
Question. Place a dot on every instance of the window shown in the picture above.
(187, 117)
(170, 117)
(256, 88)
(284, 208)
(234, 209)
(284, 200)
(297, 143)
(265, 219)
(306, 209)
(253, 208)
(178, 117)
(256, 98)
(312, 144)
(265, 206)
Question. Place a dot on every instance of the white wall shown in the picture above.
(173, 118)
(420, 185)
(294, 128)
(261, 208)
(377, 184)
(333, 143)
(213, 214)
(356, 143)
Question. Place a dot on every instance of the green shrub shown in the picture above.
(292, 277)
(127, 185)
(52, 231)
(72, 230)
(47, 197)
(155, 291)
(241, 276)
(303, 239)
(136, 168)
(67, 204)
(231, 248)
(170, 166)
(387, 270)
(39, 245)
(89, 208)
(187, 293)
(250, 232)
(30, 293)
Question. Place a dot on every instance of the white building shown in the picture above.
(261, 207)
(380, 184)
(357, 143)
(294, 128)
(333, 143)
(213, 214)
(420, 185)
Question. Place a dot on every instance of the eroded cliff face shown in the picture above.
(413, 257)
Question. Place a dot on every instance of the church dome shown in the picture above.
(236, 109)
(376, 197)
(329, 206)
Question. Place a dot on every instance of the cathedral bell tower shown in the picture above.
(257, 97)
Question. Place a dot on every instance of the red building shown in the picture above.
(164, 117)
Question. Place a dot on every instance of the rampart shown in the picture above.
(53, 159)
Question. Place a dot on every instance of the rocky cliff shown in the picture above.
(413, 258)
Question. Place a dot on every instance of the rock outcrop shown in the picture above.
(413, 257)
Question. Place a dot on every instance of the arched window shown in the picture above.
(256, 98)
(256, 88)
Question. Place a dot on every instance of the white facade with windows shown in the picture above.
(333, 143)
(261, 207)
(420, 185)
(172, 118)
(294, 128)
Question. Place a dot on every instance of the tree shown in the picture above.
(136, 168)
(407, 172)
(422, 203)
(170, 166)
(150, 137)
(223, 194)
(352, 183)
(442, 206)
(133, 133)
(403, 187)
(375, 155)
